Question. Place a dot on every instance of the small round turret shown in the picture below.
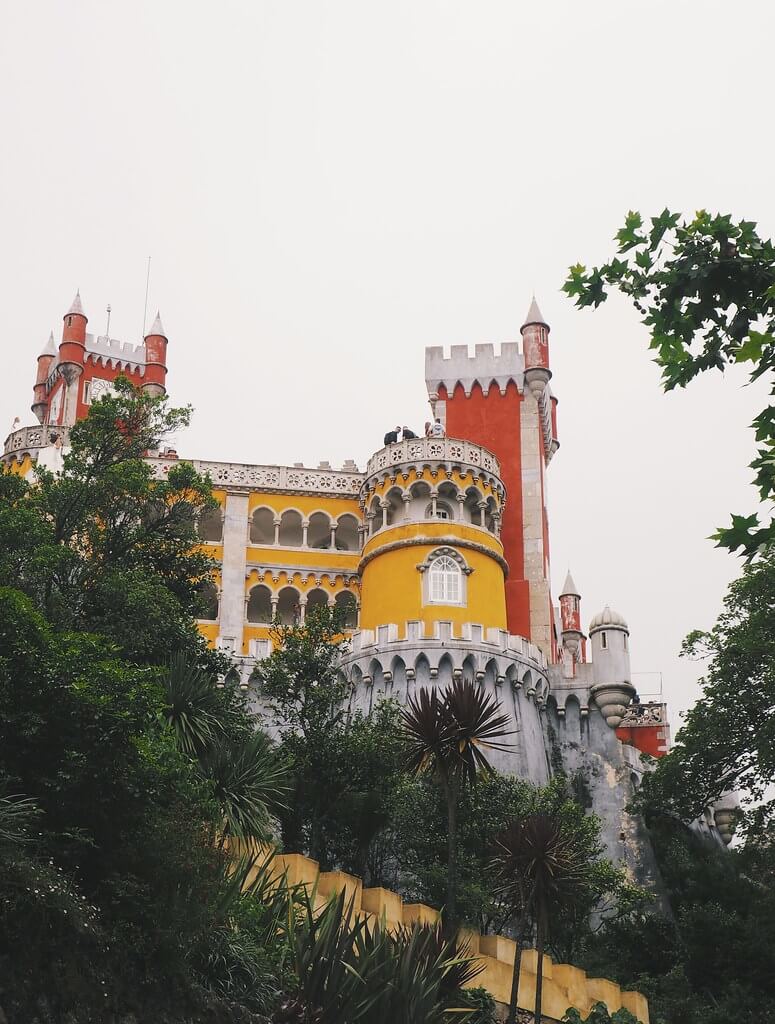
(155, 359)
(570, 616)
(45, 362)
(72, 348)
(613, 691)
(535, 347)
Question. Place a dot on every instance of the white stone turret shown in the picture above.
(609, 636)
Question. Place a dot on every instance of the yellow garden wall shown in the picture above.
(563, 985)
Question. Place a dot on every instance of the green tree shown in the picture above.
(546, 863)
(728, 738)
(448, 734)
(705, 288)
(709, 962)
(113, 888)
(346, 765)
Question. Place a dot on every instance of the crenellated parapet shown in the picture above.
(484, 366)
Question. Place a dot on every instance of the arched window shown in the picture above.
(290, 529)
(262, 526)
(347, 538)
(345, 600)
(208, 602)
(444, 581)
(316, 598)
(319, 531)
(210, 526)
(443, 510)
(288, 606)
(260, 604)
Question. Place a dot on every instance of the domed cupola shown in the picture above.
(609, 636)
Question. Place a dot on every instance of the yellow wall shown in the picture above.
(315, 558)
(304, 503)
(563, 985)
(392, 586)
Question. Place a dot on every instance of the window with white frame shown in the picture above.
(444, 583)
(443, 511)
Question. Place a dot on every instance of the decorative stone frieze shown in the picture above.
(29, 440)
(290, 479)
(423, 450)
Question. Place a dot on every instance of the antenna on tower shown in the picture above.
(145, 308)
(107, 325)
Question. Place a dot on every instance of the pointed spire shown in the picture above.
(569, 587)
(76, 306)
(534, 315)
(157, 327)
(50, 349)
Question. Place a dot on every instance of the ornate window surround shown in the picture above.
(465, 571)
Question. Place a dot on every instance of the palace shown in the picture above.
(437, 551)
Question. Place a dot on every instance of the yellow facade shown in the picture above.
(393, 588)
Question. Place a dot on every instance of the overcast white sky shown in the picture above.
(327, 188)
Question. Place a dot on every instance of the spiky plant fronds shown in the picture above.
(249, 780)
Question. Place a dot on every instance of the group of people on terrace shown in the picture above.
(434, 429)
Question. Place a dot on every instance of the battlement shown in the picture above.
(485, 367)
(111, 350)
(440, 635)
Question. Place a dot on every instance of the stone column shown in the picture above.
(234, 565)
(533, 523)
(304, 529)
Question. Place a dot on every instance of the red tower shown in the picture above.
(156, 359)
(571, 633)
(503, 402)
(86, 366)
(45, 362)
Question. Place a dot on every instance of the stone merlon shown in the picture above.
(484, 366)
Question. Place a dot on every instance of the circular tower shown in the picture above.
(432, 550)
(613, 690)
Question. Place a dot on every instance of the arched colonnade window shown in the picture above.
(290, 606)
(290, 529)
(422, 502)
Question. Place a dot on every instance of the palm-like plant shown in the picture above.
(542, 864)
(448, 734)
(249, 781)
(194, 708)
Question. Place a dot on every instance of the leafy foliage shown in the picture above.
(705, 288)
(599, 1015)
(546, 866)
(711, 961)
(728, 738)
(346, 766)
(447, 735)
(111, 882)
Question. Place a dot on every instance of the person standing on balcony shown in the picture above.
(437, 430)
(392, 436)
(407, 434)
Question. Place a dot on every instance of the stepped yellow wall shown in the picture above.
(563, 985)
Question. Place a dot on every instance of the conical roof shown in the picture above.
(76, 306)
(50, 349)
(534, 315)
(569, 587)
(157, 327)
